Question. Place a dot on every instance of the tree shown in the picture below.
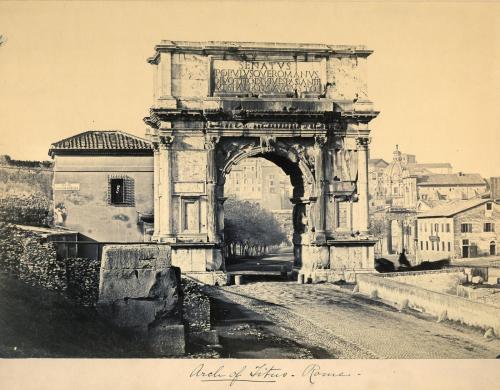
(250, 230)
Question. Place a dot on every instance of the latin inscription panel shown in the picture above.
(266, 77)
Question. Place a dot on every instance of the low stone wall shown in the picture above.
(445, 281)
(27, 255)
(441, 305)
(140, 291)
(335, 261)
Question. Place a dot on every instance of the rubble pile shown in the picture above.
(39, 265)
(196, 311)
(27, 256)
(196, 315)
(83, 280)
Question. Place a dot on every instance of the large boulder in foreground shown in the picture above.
(140, 291)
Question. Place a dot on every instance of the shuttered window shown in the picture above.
(121, 191)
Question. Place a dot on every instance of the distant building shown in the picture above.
(429, 168)
(450, 186)
(260, 181)
(459, 229)
(404, 188)
(376, 187)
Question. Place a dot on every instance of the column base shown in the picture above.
(164, 238)
(215, 278)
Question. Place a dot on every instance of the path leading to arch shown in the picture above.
(350, 326)
(270, 263)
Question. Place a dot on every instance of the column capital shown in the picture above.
(320, 141)
(211, 142)
(363, 142)
(166, 141)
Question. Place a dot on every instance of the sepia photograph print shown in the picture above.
(250, 195)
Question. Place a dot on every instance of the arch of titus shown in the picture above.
(302, 106)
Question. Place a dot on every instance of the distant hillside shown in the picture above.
(19, 177)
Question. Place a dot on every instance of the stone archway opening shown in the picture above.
(258, 215)
(288, 162)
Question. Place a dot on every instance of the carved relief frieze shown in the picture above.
(270, 125)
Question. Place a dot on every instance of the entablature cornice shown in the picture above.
(222, 48)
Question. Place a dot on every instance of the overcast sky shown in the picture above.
(435, 73)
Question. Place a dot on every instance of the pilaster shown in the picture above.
(322, 187)
(165, 188)
(212, 204)
(362, 217)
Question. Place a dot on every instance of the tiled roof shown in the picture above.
(416, 170)
(453, 207)
(434, 165)
(376, 161)
(102, 140)
(452, 179)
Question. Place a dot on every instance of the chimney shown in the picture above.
(495, 187)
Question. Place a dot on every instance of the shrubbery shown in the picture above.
(34, 210)
(26, 255)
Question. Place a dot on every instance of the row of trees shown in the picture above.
(250, 230)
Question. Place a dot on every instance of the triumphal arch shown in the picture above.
(302, 106)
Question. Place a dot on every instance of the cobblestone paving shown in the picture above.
(351, 326)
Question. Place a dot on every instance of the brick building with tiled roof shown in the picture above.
(103, 186)
(102, 142)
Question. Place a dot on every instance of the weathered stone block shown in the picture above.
(136, 283)
(315, 257)
(212, 278)
(214, 260)
(167, 340)
(132, 313)
(136, 256)
(208, 337)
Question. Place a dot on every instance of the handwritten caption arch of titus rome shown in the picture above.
(266, 77)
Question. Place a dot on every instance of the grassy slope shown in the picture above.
(38, 323)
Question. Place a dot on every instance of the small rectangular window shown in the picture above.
(432, 245)
(449, 246)
(117, 191)
(427, 245)
(466, 228)
(447, 228)
(442, 245)
(421, 245)
(121, 191)
(489, 206)
(489, 227)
